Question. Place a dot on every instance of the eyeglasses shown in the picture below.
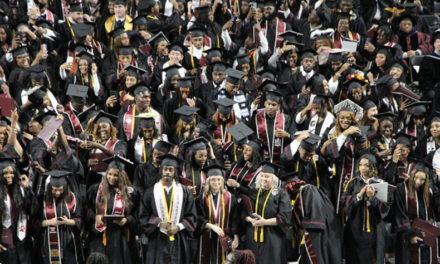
(22, 57)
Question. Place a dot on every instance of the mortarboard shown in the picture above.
(78, 47)
(307, 53)
(240, 132)
(154, 41)
(335, 56)
(291, 35)
(371, 156)
(164, 146)
(321, 99)
(172, 70)
(104, 117)
(36, 94)
(422, 165)
(117, 32)
(146, 5)
(37, 71)
(118, 162)
(388, 116)
(186, 113)
(220, 66)
(398, 64)
(84, 55)
(404, 139)
(19, 51)
(269, 167)
(274, 96)
(207, 125)
(354, 83)
(125, 50)
(348, 105)
(197, 30)
(185, 82)
(366, 104)
(196, 144)
(343, 15)
(43, 23)
(78, 93)
(170, 160)
(214, 170)
(309, 144)
(434, 117)
(386, 81)
(6, 161)
(4, 121)
(389, 52)
(177, 46)
(135, 71)
(146, 121)
(258, 146)
(88, 114)
(314, 80)
(234, 76)
(139, 20)
(81, 30)
(435, 35)
(57, 177)
(361, 138)
(120, 2)
(44, 117)
(268, 73)
(138, 88)
(419, 107)
(267, 86)
(242, 59)
(214, 52)
(75, 7)
(224, 105)
(203, 9)
(331, 4)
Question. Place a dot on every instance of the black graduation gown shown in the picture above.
(110, 76)
(65, 31)
(145, 176)
(171, 105)
(359, 243)
(17, 80)
(273, 248)
(404, 214)
(156, 25)
(323, 229)
(69, 238)
(22, 252)
(422, 148)
(202, 220)
(121, 245)
(160, 249)
(197, 177)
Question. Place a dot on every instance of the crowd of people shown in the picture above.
(219, 131)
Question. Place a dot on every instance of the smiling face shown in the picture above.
(113, 177)
(83, 66)
(23, 60)
(215, 182)
(3, 136)
(104, 131)
(57, 191)
(343, 26)
(396, 72)
(143, 100)
(380, 60)
(345, 119)
(266, 180)
(386, 128)
(8, 174)
(247, 153)
(419, 180)
(364, 167)
(404, 152)
(435, 129)
(200, 157)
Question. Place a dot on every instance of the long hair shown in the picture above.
(64, 196)
(216, 119)
(79, 76)
(208, 187)
(412, 190)
(245, 256)
(328, 43)
(250, 75)
(256, 159)
(338, 127)
(123, 184)
(113, 134)
(373, 169)
(385, 92)
(91, 127)
(179, 127)
(155, 133)
(17, 198)
(295, 8)
(365, 121)
(275, 181)
(167, 88)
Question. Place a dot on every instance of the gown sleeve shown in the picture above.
(284, 214)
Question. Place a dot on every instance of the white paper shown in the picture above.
(382, 191)
(168, 8)
(351, 46)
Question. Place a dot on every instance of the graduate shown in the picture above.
(76, 16)
(217, 216)
(120, 20)
(273, 127)
(300, 156)
(168, 216)
(156, 24)
(429, 144)
(168, 89)
(364, 233)
(265, 235)
(415, 198)
(59, 221)
(76, 106)
(417, 116)
(186, 124)
(114, 196)
(402, 155)
(305, 72)
(208, 91)
(224, 118)
(233, 151)
(148, 173)
(322, 120)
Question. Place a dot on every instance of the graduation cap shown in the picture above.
(78, 47)
(269, 167)
(75, 7)
(410, 8)
(4, 121)
(88, 114)
(186, 113)
(435, 117)
(322, 34)
(207, 125)
(172, 70)
(164, 146)
(388, 116)
(331, 4)
(169, 160)
(361, 138)
(146, 5)
(156, 39)
(117, 32)
(291, 35)
(274, 96)
(36, 94)
(225, 105)
(307, 53)
(57, 177)
(314, 80)
(92, 25)
(19, 24)
(220, 66)
(19, 51)
(335, 56)
(418, 107)
(118, 163)
(242, 59)
(406, 17)
(348, 105)
(138, 88)
(44, 117)
(371, 156)
(196, 144)
(435, 35)
(386, 81)
(84, 55)
(309, 144)
(404, 139)
(321, 99)
(104, 117)
(135, 71)
(290, 177)
(185, 82)
(81, 30)
(197, 30)
(214, 170)
(203, 9)
(43, 23)
(422, 165)
(177, 46)
(139, 20)
(214, 52)
(343, 15)
(258, 146)
(267, 86)
(120, 2)
(78, 93)
(366, 104)
(354, 83)
(6, 161)
(240, 132)
(389, 52)
(398, 64)
(37, 71)
(234, 76)
(146, 121)
(125, 50)
(268, 73)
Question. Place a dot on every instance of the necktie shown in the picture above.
(307, 77)
(119, 24)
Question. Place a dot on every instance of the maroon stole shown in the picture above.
(5, 47)
(412, 207)
(118, 209)
(223, 135)
(411, 130)
(216, 219)
(49, 16)
(207, 42)
(103, 166)
(346, 174)
(54, 238)
(338, 41)
(247, 178)
(277, 143)
(280, 29)
(128, 122)
(74, 120)
(120, 68)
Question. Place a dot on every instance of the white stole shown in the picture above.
(160, 201)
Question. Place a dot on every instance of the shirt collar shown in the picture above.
(305, 73)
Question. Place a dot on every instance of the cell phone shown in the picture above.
(255, 216)
(89, 137)
(114, 93)
(369, 40)
(253, 5)
(421, 243)
(234, 18)
(19, 35)
(60, 219)
(401, 170)
(225, 157)
(229, 243)
(392, 144)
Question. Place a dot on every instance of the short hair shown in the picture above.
(97, 258)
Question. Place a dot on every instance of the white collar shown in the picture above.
(120, 19)
(168, 189)
(72, 21)
(305, 73)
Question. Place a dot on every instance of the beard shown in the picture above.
(272, 16)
